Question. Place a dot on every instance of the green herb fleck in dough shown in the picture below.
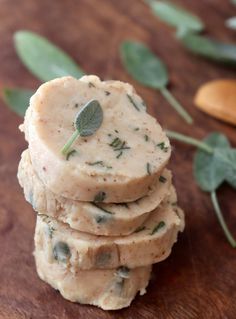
(61, 252)
(91, 85)
(139, 229)
(133, 103)
(76, 105)
(99, 197)
(118, 145)
(146, 137)
(163, 147)
(102, 259)
(71, 153)
(99, 163)
(158, 227)
(103, 209)
(162, 179)
(136, 129)
(123, 272)
(116, 131)
(107, 93)
(148, 166)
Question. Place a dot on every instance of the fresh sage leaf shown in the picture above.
(61, 252)
(214, 163)
(209, 48)
(176, 16)
(45, 60)
(231, 23)
(145, 67)
(17, 99)
(89, 118)
(211, 170)
(231, 169)
(87, 122)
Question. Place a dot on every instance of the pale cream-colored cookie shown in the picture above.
(151, 243)
(118, 163)
(108, 289)
(100, 219)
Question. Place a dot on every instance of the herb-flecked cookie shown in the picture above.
(118, 163)
(109, 289)
(150, 243)
(95, 218)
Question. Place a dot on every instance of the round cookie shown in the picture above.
(118, 163)
(151, 243)
(99, 219)
(108, 289)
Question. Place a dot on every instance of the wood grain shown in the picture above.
(198, 280)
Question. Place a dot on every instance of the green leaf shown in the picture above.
(231, 23)
(87, 122)
(61, 252)
(210, 169)
(176, 16)
(89, 118)
(44, 59)
(230, 166)
(143, 65)
(17, 99)
(209, 48)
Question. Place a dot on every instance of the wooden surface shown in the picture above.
(199, 279)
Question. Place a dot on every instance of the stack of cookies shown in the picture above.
(107, 210)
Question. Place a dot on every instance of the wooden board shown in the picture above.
(198, 280)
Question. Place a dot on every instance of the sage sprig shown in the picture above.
(45, 60)
(87, 122)
(209, 48)
(214, 163)
(176, 16)
(145, 67)
(17, 99)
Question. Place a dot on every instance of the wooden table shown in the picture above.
(199, 279)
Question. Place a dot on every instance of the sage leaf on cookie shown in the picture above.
(148, 69)
(231, 23)
(87, 122)
(176, 16)
(209, 48)
(214, 163)
(45, 60)
(17, 99)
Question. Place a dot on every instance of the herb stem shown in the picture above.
(221, 220)
(71, 140)
(190, 140)
(176, 105)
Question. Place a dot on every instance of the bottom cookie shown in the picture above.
(111, 289)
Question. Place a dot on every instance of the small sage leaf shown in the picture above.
(61, 252)
(231, 169)
(17, 99)
(231, 23)
(45, 60)
(209, 169)
(175, 15)
(210, 48)
(89, 118)
(145, 67)
(87, 122)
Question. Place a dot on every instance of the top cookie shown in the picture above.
(118, 163)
